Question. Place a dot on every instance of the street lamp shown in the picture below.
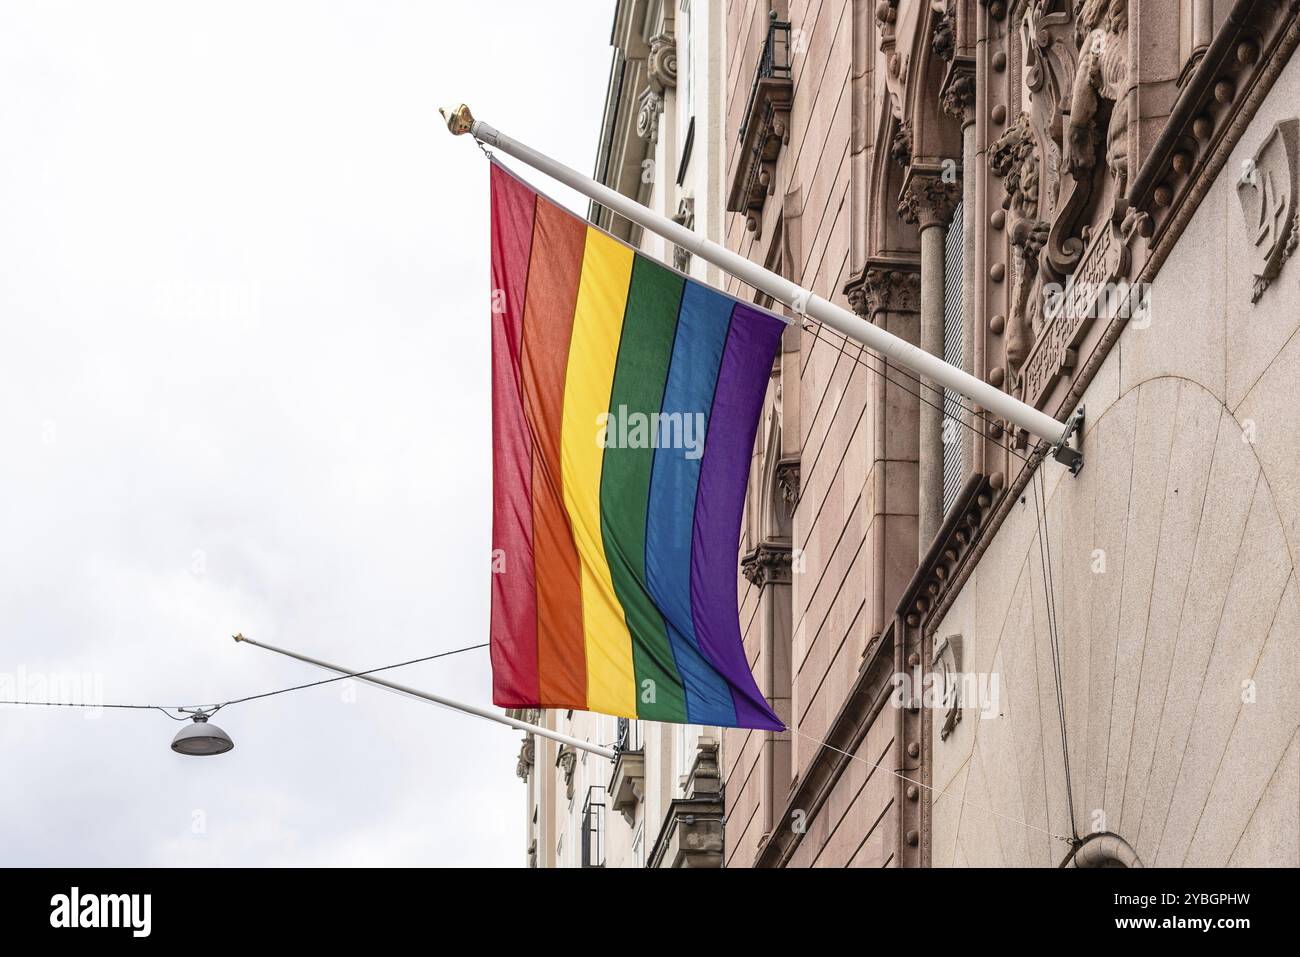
(201, 738)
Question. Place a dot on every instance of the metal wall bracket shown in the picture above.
(1071, 456)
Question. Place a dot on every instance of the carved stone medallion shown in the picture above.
(1267, 192)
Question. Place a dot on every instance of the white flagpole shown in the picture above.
(445, 702)
(802, 301)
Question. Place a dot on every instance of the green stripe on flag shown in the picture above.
(645, 351)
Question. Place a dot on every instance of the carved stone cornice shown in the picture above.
(769, 563)
(885, 284)
(952, 549)
(929, 197)
(1212, 111)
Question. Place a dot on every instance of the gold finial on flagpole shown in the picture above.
(459, 120)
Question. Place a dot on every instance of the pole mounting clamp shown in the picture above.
(1071, 456)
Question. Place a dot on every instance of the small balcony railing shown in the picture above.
(764, 127)
(773, 62)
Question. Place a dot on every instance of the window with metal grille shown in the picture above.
(593, 828)
(954, 327)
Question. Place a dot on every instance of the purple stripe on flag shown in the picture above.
(720, 501)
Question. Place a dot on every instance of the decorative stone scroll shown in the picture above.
(661, 67)
(1094, 291)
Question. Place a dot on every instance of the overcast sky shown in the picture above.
(244, 386)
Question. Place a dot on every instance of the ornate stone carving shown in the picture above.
(685, 217)
(886, 286)
(929, 200)
(787, 479)
(1097, 288)
(945, 35)
(527, 757)
(769, 563)
(887, 14)
(958, 99)
(901, 146)
(946, 665)
(1076, 71)
(1267, 193)
(661, 69)
(1014, 159)
(857, 296)
(647, 117)
(1098, 60)
(567, 761)
(1101, 34)
(661, 64)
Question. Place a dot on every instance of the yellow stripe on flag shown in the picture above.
(593, 353)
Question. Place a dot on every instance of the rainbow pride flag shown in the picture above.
(625, 398)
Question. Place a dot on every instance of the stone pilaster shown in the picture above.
(888, 292)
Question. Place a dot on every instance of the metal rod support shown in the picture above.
(478, 712)
(802, 301)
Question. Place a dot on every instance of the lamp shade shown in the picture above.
(201, 737)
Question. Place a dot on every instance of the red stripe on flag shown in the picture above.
(514, 602)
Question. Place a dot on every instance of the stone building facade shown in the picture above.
(982, 658)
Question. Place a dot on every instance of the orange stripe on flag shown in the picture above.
(553, 275)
